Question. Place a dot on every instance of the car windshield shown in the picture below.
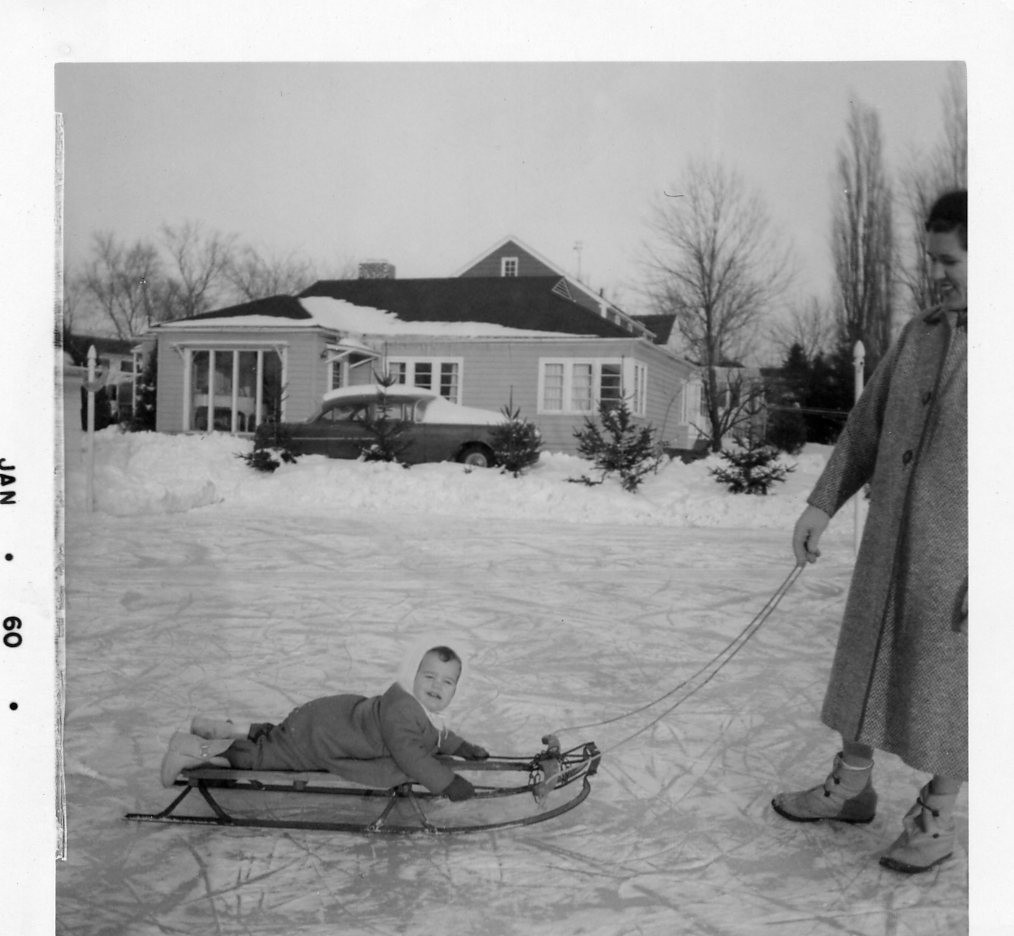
(342, 413)
(370, 411)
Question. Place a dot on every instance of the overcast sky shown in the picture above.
(429, 164)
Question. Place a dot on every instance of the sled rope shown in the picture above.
(715, 664)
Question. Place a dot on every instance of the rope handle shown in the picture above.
(732, 648)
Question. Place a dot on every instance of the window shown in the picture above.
(441, 375)
(231, 390)
(579, 386)
(508, 266)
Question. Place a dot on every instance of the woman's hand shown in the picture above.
(806, 536)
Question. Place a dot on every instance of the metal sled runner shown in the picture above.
(407, 807)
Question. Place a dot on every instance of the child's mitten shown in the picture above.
(471, 751)
(459, 789)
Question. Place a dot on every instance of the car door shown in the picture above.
(338, 432)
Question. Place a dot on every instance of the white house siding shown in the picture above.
(169, 409)
(496, 372)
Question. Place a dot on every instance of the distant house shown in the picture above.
(480, 341)
(509, 257)
(740, 386)
(118, 362)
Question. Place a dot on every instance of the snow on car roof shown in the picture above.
(368, 391)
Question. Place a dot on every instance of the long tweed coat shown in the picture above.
(380, 741)
(900, 676)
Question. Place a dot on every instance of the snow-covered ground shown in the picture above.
(199, 585)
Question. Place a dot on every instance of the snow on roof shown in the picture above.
(342, 316)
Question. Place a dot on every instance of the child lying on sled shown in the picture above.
(380, 741)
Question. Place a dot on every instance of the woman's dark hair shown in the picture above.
(950, 213)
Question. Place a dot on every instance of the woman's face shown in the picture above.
(948, 269)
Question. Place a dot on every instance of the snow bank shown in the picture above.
(152, 473)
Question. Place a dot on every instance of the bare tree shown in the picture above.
(117, 282)
(715, 262)
(931, 174)
(809, 325)
(255, 276)
(863, 244)
(198, 266)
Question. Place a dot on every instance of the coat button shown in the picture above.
(926, 397)
(907, 457)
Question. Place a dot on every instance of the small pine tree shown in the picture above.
(619, 445)
(389, 443)
(516, 442)
(146, 389)
(752, 467)
(272, 446)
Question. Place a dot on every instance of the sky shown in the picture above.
(427, 165)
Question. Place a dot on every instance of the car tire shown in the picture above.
(476, 456)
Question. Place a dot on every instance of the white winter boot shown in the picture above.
(205, 727)
(187, 750)
(847, 795)
(928, 836)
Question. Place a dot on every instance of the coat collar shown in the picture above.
(936, 315)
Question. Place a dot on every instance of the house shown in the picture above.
(481, 341)
(509, 257)
(741, 388)
(117, 364)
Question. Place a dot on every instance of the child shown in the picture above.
(380, 741)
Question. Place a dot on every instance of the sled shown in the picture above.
(407, 807)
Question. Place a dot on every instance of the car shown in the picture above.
(421, 425)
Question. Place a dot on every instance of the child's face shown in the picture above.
(435, 682)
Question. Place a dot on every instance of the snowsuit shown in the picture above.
(899, 681)
(380, 741)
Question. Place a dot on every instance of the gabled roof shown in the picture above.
(585, 295)
(530, 303)
(520, 245)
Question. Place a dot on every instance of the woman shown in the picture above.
(899, 682)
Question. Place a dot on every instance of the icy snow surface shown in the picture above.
(199, 585)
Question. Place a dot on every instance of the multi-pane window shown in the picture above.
(553, 377)
(441, 375)
(579, 386)
(508, 266)
(232, 390)
(582, 391)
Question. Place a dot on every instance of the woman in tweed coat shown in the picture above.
(899, 682)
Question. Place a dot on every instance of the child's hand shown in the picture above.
(459, 789)
(471, 751)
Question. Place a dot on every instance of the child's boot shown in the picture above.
(847, 795)
(187, 750)
(928, 836)
(205, 727)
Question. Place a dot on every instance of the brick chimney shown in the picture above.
(376, 269)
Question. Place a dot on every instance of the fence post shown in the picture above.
(858, 363)
(90, 434)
